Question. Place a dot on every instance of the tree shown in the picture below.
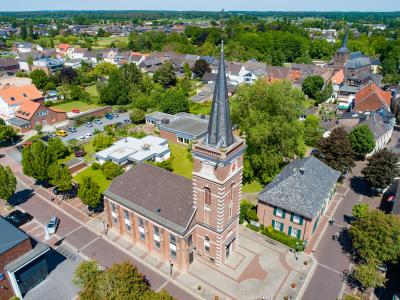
(312, 86)
(268, 114)
(87, 276)
(36, 161)
(68, 75)
(312, 131)
(200, 68)
(368, 275)
(187, 71)
(359, 210)
(8, 183)
(325, 93)
(376, 237)
(39, 78)
(137, 115)
(89, 192)
(166, 75)
(336, 150)
(57, 149)
(362, 140)
(60, 177)
(102, 141)
(381, 169)
(174, 101)
(7, 133)
(111, 170)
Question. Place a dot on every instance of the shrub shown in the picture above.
(248, 212)
(255, 228)
(137, 115)
(138, 134)
(96, 166)
(283, 238)
(111, 170)
(48, 103)
(166, 164)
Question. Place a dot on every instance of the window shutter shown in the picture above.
(275, 211)
(290, 231)
(273, 224)
(291, 217)
(281, 227)
(298, 234)
(301, 220)
(283, 214)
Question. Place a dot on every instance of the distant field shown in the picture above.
(69, 106)
(106, 41)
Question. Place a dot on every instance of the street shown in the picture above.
(76, 232)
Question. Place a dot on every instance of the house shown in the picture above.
(23, 262)
(73, 63)
(178, 219)
(30, 114)
(209, 78)
(156, 118)
(184, 129)
(23, 47)
(236, 73)
(371, 98)
(149, 64)
(25, 59)
(149, 148)
(298, 197)
(137, 58)
(62, 49)
(11, 97)
(8, 66)
(78, 53)
(49, 65)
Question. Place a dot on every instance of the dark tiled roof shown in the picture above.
(146, 188)
(304, 194)
(10, 236)
(188, 125)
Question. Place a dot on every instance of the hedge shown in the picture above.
(282, 238)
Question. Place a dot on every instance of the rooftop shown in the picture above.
(302, 187)
(188, 124)
(10, 236)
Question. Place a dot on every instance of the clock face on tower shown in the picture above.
(207, 169)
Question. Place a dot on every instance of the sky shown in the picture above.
(213, 5)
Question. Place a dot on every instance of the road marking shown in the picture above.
(90, 243)
(163, 285)
(329, 268)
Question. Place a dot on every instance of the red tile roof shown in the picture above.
(371, 98)
(338, 77)
(63, 47)
(27, 110)
(18, 94)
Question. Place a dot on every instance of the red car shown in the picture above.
(76, 111)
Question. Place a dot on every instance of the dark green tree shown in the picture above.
(39, 78)
(57, 149)
(312, 86)
(137, 115)
(312, 131)
(166, 75)
(368, 275)
(60, 177)
(7, 133)
(111, 170)
(381, 169)
(102, 141)
(36, 161)
(336, 150)
(360, 210)
(8, 183)
(362, 140)
(89, 192)
(174, 101)
(200, 68)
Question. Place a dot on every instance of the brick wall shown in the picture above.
(8, 257)
(170, 136)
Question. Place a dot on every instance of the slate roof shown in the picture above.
(304, 194)
(147, 189)
(189, 125)
(358, 62)
(10, 236)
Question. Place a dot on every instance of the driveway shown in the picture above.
(83, 130)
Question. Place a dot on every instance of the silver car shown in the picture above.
(53, 225)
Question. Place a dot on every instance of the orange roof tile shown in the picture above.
(338, 77)
(27, 110)
(18, 94)
(63, 47)
(371, 97)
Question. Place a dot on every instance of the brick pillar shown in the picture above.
(133, 218)
(121, 220)
(164, 244)
(108, 213)
(148, 232)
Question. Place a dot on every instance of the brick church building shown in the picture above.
(181, 219)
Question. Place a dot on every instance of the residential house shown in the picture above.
(137, 58)
(371, 98)
(150, 64)
(78, 53)
(8, 66)
(11, 97)
(62, 49)
(132, 150)
(23, 47)
(73, 63)
(26, 59)
(49, 65)
(236, 73)
(179, 219)
(92, 57)
(296, 200)
(24, 263)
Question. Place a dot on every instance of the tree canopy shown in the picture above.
(268, 114)
(7, 133)
(166, 75)
(89, 192)
(60, 177)
(8, 183)
(312, 131)
(174, 101)
(200, 68)
(362, 140)
(39, 78)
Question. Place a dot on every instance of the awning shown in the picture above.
(28, 257)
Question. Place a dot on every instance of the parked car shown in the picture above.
(53, 225)
(79, 153)
(71, 129)
(88, 124)
(52, 135)
(45, 138)
(109, 116)
(76, 111)
(61, 133)
(18, 218)
(127, 121)
(97, 121)
(81, 137)
(89, 135)
(115, 114)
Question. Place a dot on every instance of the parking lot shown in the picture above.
(83, 130)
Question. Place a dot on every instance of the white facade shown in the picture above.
(7, 111)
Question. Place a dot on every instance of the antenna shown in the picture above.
(222, 25)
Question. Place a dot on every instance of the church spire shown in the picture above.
(344, 43)
(219, 134)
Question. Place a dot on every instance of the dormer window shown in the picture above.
(12, 98)
(25, 95)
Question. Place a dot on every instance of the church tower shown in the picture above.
(217, 179)
(342, 55)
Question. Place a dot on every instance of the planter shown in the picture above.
(293, 285)
(199, 287)
(305, 263)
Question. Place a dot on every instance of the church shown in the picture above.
(180, 219)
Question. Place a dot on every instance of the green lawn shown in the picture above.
(96, 175)
(92, 90)
(200, 108)
(89, 149)
(252, 187)
(106, 41)
(182, 164)
(69, 106)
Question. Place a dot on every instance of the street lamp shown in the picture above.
(171, 265)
